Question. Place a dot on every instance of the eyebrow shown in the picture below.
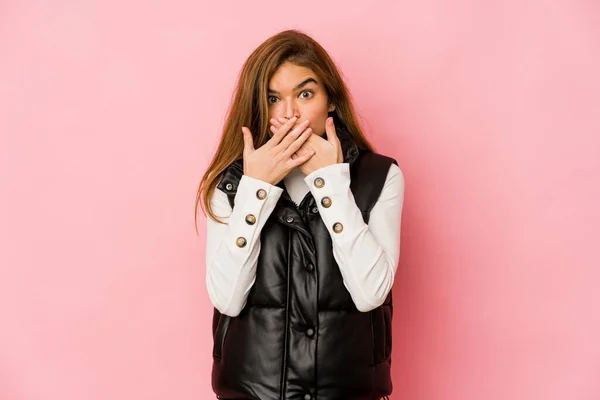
(299, 86)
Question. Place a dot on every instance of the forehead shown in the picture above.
(289, 75)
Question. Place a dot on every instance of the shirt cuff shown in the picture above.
(330, 186)
(336, 177)
(253, 203)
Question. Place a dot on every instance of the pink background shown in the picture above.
(110, 111)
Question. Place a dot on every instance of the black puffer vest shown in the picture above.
(300, 335)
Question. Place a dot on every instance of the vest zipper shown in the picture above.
(287, 318)
(287, 196)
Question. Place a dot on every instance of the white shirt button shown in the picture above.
(250, 219)
(261, 194)
(338, 227)
(326, 202)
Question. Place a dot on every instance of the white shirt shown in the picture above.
(367, 255)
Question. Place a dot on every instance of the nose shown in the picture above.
(291, 111)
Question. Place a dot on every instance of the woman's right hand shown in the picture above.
(273, 161)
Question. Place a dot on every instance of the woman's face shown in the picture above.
(295, 90)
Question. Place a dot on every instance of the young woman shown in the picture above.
(303, 235)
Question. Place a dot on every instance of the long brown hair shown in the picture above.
(249, 106)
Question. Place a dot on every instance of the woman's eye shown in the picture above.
(271, 98)
(308, 92)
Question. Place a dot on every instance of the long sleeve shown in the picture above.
(232, 248)
(367, 254)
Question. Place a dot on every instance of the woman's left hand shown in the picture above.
(327, 151)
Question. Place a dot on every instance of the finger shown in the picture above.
(293, 134)
(331, 133)
(275, 122)
(275, 127)
(301, 159)
(281, 132)
(248, 142)
(298, 144)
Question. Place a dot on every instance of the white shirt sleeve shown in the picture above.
(367, 254)
(230, 269)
